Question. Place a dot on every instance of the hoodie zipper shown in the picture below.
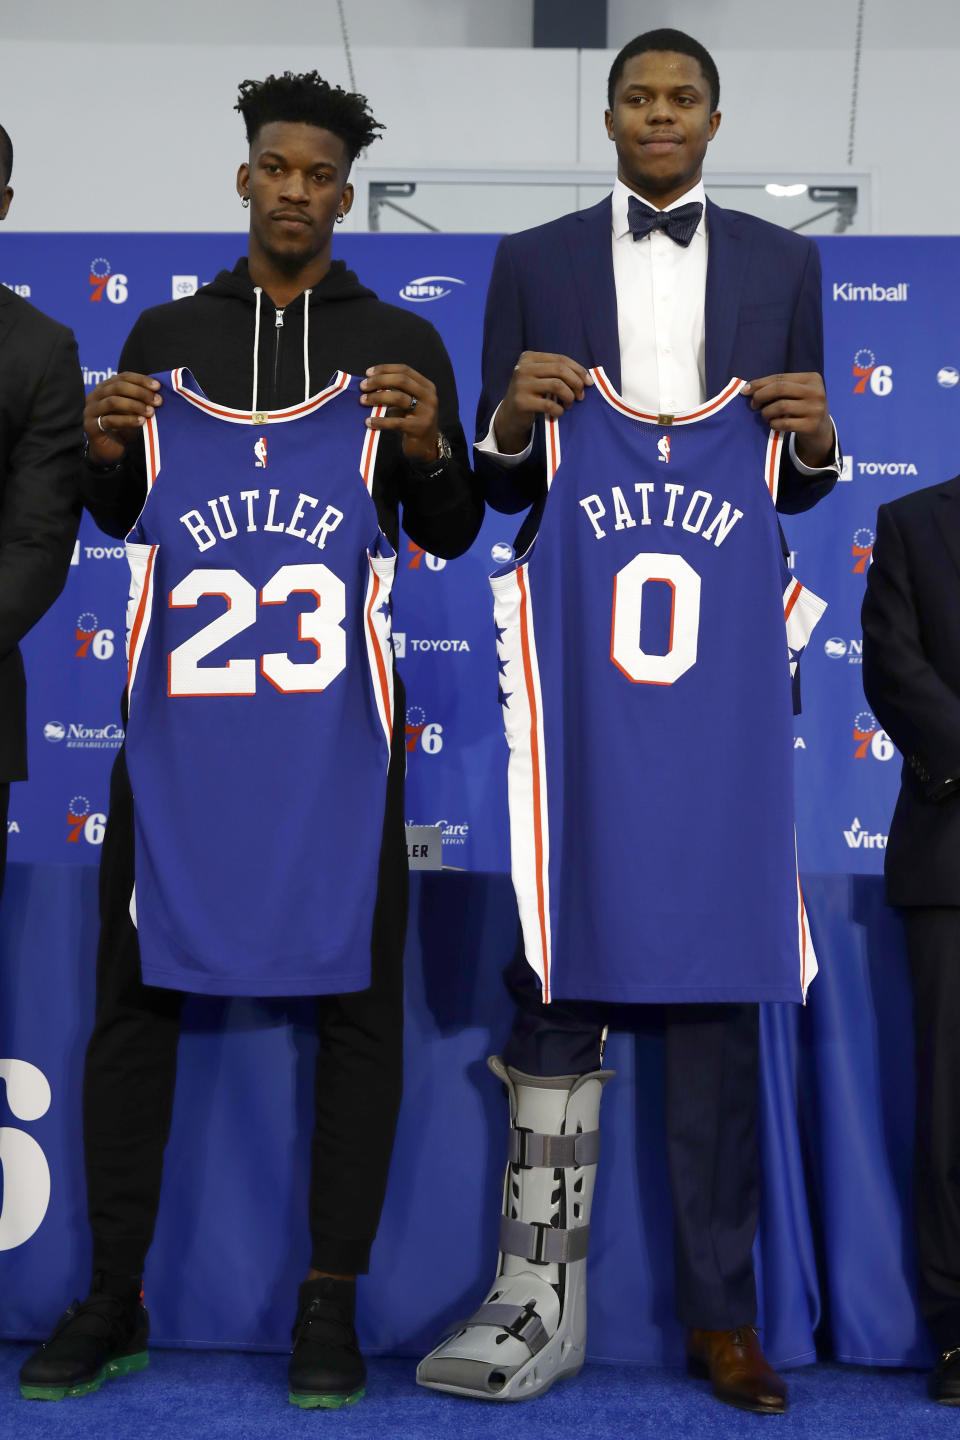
(276, 354)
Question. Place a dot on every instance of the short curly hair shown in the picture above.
(308, 100)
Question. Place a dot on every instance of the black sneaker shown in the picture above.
(94, 1340)
(326, 1367)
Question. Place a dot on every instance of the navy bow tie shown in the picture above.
(680, 224)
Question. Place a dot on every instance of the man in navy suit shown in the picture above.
(672, 296)
(911, 676)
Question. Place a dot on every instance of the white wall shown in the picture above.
(129, 134)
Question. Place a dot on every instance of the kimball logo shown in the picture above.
(862, 549)
(848, 291)
(83, 737)
(859, 839)
(429, 287)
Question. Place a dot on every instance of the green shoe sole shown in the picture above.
(326, 1402)
(122, 1365)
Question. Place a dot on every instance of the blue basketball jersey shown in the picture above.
(645, 644)
(260, 691)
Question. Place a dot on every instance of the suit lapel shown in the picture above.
(7, 310)
(591, 255)
(727, 257)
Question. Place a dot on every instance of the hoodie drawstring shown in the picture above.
(256, 350)
(306, 350)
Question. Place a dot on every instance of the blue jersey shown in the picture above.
(646, 694)
(260, 690)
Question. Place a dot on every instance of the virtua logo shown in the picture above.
(862, 549)
(429, 287)
(859, 839)
(23, 290)
(867, 371)
(837, 649)
(429, 737)
(868, 737)
(418, 555)
(846, 290)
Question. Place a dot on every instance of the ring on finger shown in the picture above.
(100, 426)
(414, 402)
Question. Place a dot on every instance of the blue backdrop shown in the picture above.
(837, 1077)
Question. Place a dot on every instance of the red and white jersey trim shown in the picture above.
(553, 449)
(139, 605)
(527, 770)
(771, 467)
(368, 455)
(802, 611)
(808, 957)
(377, 631)
(339, 382)
(685, 417)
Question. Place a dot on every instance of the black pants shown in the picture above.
(933, 947)
(132, 1059)
(712, 1065)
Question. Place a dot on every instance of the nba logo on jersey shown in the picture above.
(260, 453)
(663, 445)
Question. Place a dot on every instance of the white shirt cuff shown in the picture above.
(833, 465)
(488, 445)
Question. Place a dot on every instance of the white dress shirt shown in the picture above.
(661, 292)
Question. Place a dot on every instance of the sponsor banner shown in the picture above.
(892, 370)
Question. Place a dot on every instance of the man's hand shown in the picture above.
(797, 404)
(114, 413)
(411, 401)
(541, 384)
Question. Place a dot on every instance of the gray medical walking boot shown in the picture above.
(531, 1329)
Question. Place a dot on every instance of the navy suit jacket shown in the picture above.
(552, 289)
(911, 676)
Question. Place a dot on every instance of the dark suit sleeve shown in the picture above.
(41, 506)
(114, 494)
(800, 492)
(918, 710)
(442, 506)
(504, 340)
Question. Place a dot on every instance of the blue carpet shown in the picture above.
(213, 1395)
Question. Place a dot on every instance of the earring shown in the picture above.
(245, 201)
(339, 217)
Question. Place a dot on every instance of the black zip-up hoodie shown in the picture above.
(212, 335)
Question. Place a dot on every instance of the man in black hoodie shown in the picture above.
(262, 337)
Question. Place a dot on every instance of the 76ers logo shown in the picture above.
(866, 372)
(82, 820)
(260, 453)
(430, 737)
(663, 446)
(862, 549)
(105, 283)
(91, 639)
(867, 735)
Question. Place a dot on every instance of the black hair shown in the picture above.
(680, 44)
(6, 157)
(308, 100)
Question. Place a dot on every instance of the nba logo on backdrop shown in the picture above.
(862, 549)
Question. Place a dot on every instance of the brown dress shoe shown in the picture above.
(736, 1368)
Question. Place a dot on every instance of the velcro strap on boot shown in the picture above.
(543, 1244)
(554, 1152)
(519, 1321)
